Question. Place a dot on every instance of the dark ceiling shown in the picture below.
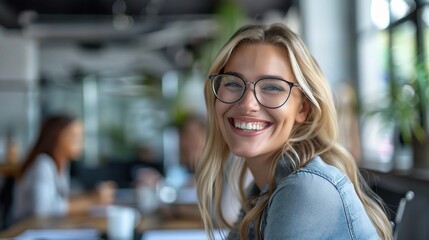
(168, 28)
(11, 11)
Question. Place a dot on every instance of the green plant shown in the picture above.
(408, 105)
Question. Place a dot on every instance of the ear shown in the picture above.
(303, 111)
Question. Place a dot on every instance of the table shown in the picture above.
(151, 222)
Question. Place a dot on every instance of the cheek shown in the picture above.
(285, 120)
(63, 144)
(75, 149)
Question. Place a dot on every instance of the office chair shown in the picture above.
(6, 201)
(396, 203)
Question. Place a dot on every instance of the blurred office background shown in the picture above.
(133, 71)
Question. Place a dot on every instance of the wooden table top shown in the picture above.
(100, 223)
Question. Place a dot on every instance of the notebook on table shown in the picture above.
(60, 234)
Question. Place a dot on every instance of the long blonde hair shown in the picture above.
(316, 136)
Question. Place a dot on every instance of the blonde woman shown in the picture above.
(269, 104)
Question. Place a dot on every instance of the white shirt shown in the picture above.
(42, 191)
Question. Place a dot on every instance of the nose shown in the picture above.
(248, 100)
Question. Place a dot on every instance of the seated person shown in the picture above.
(42, 188)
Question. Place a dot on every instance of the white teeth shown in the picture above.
(255, 126)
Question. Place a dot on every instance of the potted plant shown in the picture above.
(408, 108)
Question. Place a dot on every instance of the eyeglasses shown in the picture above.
(269, 92)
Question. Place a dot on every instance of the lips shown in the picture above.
(249, 125)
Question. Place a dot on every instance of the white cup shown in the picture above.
(121, 222)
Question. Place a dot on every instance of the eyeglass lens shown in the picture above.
(270, 93)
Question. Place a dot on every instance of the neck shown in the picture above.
(60, 160)
(260, 169)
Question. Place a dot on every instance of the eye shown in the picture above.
(272, 88)
(232, 85)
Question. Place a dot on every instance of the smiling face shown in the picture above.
(249, 129)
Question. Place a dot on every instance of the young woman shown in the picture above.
(269, 104)
(42, 188)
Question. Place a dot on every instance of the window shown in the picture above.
(393, 36)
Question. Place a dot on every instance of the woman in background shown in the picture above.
(269, 104)
(43, 187)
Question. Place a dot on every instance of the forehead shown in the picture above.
(73, 127)
(256, 60)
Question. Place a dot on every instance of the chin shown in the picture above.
(245, 153)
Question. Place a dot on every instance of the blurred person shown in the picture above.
(43, 187)
(191, 144)
(191, 141)
(269, 104)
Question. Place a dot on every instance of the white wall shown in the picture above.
(19, 68)
(327, 32)
(18, 57)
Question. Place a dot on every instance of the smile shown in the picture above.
(249, 126)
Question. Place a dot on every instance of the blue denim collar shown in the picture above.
(284, 168)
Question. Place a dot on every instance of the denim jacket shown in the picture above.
(318, 201)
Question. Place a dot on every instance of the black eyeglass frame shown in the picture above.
(214, 76)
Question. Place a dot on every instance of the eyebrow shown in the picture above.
(237, 74)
